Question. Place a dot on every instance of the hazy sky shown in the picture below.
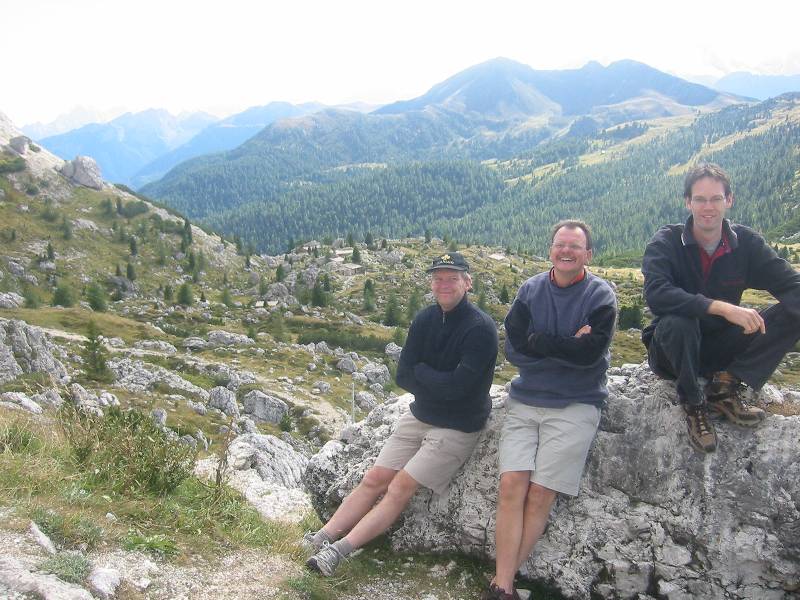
(226, 55)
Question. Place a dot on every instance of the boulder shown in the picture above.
(22, 401)
(347, 365)
(20, 144)
(272, 458)
(16, 577)
(393, 351)
(221, 338)
(653, 515)
(265, 408)
(223, 399)
(366, 401)
(83, 171)
(377, 373)
(157, 346)
(85, 400)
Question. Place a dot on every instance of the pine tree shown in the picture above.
(95, 356)
(134, 247)
(414, 304)
(391, 315)
(51, 254)
(318, 295)
(63, 296)
(280, 273)
(168, 294)
(504, 295)
(263, 286)
(130, 272)
(482, 301)
(356, 256)
(96, 296)
(185, 295)
(226, 297)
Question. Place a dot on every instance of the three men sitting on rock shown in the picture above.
(694, 277)
(448, 364)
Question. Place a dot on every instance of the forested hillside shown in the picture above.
(625, 181)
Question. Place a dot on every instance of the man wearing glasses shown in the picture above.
(558, 332)
(694, 276)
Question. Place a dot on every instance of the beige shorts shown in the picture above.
(551, 443)
(431, 455)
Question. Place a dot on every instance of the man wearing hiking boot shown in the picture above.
(448, 364)
(694, 277)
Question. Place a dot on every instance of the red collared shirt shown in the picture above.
(578, 278)
(706, 261)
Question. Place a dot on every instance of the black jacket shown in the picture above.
(448, 364)
(673, 275)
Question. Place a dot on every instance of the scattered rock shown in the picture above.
(17, 578)
(104, 582)
(272, 458)
(366, 401)
(41, 538)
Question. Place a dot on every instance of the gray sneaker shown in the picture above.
(307, 543)
(325, 561)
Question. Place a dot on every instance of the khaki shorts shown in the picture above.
(552, 443)
(431, 455)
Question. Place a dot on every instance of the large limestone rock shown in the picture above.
(653, 516)
(264, 408)
(25, 349)
(83, 171)
(272, 458)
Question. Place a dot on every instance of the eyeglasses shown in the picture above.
(715, 200)
(561, 246)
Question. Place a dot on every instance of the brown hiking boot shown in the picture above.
(723, 394)
(702, 436)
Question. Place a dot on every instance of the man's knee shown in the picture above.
(377, 479)
(513, 487)
(402, 487)
(539, 498)
(676, 326)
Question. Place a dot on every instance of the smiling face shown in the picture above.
(449, 286)
(569, 254)
(708, 204)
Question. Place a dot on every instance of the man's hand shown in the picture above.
(748, 319)
(585, 330)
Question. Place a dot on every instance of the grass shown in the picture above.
(67, 566)
(40, 476)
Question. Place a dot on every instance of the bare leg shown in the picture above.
(359, 502)
(538, 503)
(383, 514)
(508, 529)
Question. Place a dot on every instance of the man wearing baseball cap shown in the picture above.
(447, 363)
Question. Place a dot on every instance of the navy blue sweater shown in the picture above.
(555, 367)
(448, 364)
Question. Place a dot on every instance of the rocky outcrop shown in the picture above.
(221, 338)
(225, 400)
(25, 349)
(654, 517)
(11, 300)
(83, 171)
(15, 576)
(137, 376)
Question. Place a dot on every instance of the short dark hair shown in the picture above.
(572, 224)
(712, 170)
